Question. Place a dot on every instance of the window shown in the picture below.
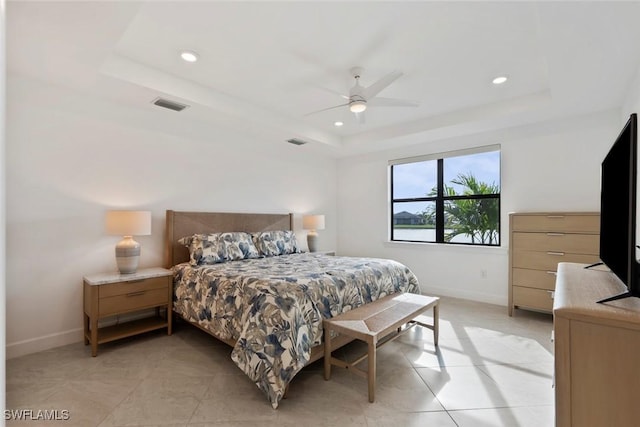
(447, 198)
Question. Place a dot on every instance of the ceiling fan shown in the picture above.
(361, 97)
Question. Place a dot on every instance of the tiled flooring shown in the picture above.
(489, 370)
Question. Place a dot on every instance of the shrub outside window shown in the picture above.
(447, 198)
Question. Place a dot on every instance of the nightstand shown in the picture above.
(112, 294)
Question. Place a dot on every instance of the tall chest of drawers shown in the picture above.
(538, 242)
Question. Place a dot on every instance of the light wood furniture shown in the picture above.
(113, 294)
(597, 350)
(376, 324)
(538, 242)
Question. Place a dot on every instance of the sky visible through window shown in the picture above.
(413, 180)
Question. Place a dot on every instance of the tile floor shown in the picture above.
(489, 370)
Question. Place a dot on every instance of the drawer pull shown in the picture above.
(555, 234)
(552, 294)
(555, 216)
(136, 294)
(552, 272)
(556, 253)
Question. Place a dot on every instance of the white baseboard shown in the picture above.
(72, 336)
(46, 342)
(473, 296)
(58, 339)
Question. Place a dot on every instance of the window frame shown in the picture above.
(440, 199)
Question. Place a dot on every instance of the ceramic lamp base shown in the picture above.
(127, 255)
(312, 241)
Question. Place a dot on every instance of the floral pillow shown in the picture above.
(205, 248)
(239, 245)
(274, 243)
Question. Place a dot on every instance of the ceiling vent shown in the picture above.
(296, 141)
(171, 105)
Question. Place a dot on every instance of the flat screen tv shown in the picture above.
(618, 210)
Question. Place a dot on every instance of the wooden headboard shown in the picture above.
(181, 224)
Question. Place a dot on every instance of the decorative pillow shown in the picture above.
(239, 245)
(205, 248)
(274, 243)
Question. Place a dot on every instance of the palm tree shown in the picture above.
(476, 218)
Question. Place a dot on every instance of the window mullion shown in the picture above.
(440, 203)
(392, 204)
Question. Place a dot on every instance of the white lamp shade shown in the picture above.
(313, 222)
(128, 223)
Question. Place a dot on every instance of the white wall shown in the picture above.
(71, 157)
(632, 102)
(545, 167)
(2, 198)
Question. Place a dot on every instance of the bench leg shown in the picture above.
(436, 315)
(327, 354)
(371, 377)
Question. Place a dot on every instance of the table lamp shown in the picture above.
(313, 223)
(128, 224)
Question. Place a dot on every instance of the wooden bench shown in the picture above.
(377, 323)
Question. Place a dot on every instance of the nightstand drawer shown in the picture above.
(538, 299)
(124, 288)
(557, 222)
(558, 242)
(133, 300)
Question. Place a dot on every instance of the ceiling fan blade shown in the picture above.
(392, 102)
(326, 109)
(341, 95)
(371, 91)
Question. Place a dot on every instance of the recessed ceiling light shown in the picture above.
(499, 80)
(338, 124)
(189, 56)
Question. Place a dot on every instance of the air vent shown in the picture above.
(171, 105)
(296, 141)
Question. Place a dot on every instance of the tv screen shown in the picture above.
(618, 210)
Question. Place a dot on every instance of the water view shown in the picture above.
(425, 234)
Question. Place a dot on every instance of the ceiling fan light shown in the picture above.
(358, 106)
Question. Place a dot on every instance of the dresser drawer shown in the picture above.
(134, 300)
(541, 279)
(557, 242)
(538, 299)
(557, 223)
(124, 288)
(548, 261)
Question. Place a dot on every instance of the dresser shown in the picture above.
(538, 242)
(114, 294)
(597, 350)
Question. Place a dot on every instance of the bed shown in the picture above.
(269, 309)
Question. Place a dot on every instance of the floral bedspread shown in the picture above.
(273, 307)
